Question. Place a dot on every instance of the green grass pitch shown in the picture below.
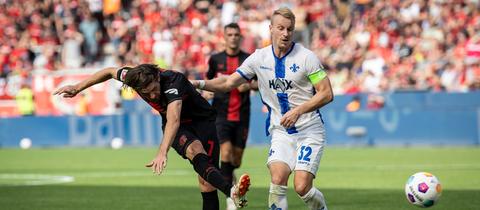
(350, 178)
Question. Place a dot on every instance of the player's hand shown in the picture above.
(243, 87)
(68, 91)
(158, 164)
(290, 118)
(195, 83)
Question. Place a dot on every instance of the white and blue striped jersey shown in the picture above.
(284, 84)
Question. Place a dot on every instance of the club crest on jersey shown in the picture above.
(182, 140)
(294, 68)
(280, 84)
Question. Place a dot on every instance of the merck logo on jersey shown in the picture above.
(280, 84)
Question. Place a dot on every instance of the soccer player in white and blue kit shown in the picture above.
(293, 86)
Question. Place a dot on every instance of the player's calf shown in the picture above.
(210, 173)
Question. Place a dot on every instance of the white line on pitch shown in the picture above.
(34, 179)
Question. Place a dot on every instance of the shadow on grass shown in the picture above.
(188, 198)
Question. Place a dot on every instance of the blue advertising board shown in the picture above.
(409, 118)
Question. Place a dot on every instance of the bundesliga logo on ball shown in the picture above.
(423, 189)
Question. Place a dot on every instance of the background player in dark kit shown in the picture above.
(233, 108)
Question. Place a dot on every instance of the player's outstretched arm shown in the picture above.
(253, 85)
(220, 84)
(70, 91)
(159, 163)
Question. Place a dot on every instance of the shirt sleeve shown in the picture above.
(314, 69)
(121, 73)
(176, 90)
(247, 69)
(212, 68)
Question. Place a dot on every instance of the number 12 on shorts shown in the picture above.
(305, 152)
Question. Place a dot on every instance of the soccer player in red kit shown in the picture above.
(233, 108)
(188, 125)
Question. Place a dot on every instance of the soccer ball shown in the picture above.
(25, 143)
(423, 189)
(116, 143)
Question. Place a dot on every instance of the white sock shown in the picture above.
(230, 204)
(314, 199)
(277, 199)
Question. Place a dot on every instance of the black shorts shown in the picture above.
(235, 132)
(203, 131)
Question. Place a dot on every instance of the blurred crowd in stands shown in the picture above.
(366, 45)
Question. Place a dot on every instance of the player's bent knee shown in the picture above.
(194, 149)
(303, 182)
(279, 179)
(226, 152)
(279, 172)
(226, 146)
(226, 156)
(302, 188)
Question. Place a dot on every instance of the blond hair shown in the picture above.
(284, 12)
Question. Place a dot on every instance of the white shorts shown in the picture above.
(300, 151)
